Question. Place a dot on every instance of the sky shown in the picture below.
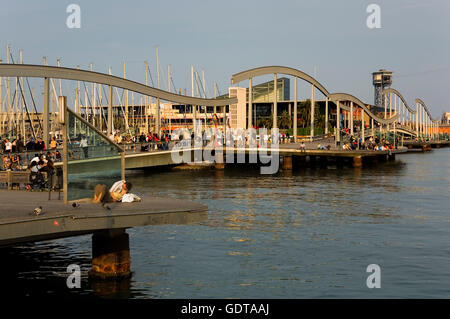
(326, 38)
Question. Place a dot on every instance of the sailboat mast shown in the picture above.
(168, 77)
(78, 110)
(146, 98)
(215, 95)
(203, 84)
(21, 99)
(92, 96)
(8, 91)
(157, 67)
(126, 98)
(1, 103)
(158, 112)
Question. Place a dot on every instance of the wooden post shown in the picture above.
(122, 165)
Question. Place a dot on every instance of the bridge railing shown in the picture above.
(89, 157)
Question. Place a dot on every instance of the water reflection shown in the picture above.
(41, 269)
(307, 233)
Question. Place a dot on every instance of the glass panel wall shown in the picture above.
(92, 159)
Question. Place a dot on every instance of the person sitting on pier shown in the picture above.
(15, 163)
(144, 147)
(302, 147)
(53, 144)
(6, 162)
(36, 177)
(346, 147)
(39, 145)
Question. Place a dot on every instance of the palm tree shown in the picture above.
(284, 121)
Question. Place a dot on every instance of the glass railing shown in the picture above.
(92, 158)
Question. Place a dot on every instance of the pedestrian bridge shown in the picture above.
(418, 120)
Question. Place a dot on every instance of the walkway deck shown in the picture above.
(18, 223)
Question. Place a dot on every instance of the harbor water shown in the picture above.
(310, 233)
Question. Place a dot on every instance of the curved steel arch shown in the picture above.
(251, 73)
(40, 71)
(244, 75)
(426, 109)
(348, 97)
(404, 131)
(389, 90)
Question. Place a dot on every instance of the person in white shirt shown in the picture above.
(118, 186)
(8, 146)
(35, 159)
(84, 146)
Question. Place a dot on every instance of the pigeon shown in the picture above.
(75, 205)
(38, 210)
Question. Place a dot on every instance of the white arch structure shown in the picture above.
(47, 72)
(335, 97)
(418, 122)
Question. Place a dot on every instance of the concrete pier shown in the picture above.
(110, 254)
(425, 146)
(110, 242)
(339, 162)
(287, 163)
(357, 161)
(220, 163)
(323, 160)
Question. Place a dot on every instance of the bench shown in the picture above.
(15, 177)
